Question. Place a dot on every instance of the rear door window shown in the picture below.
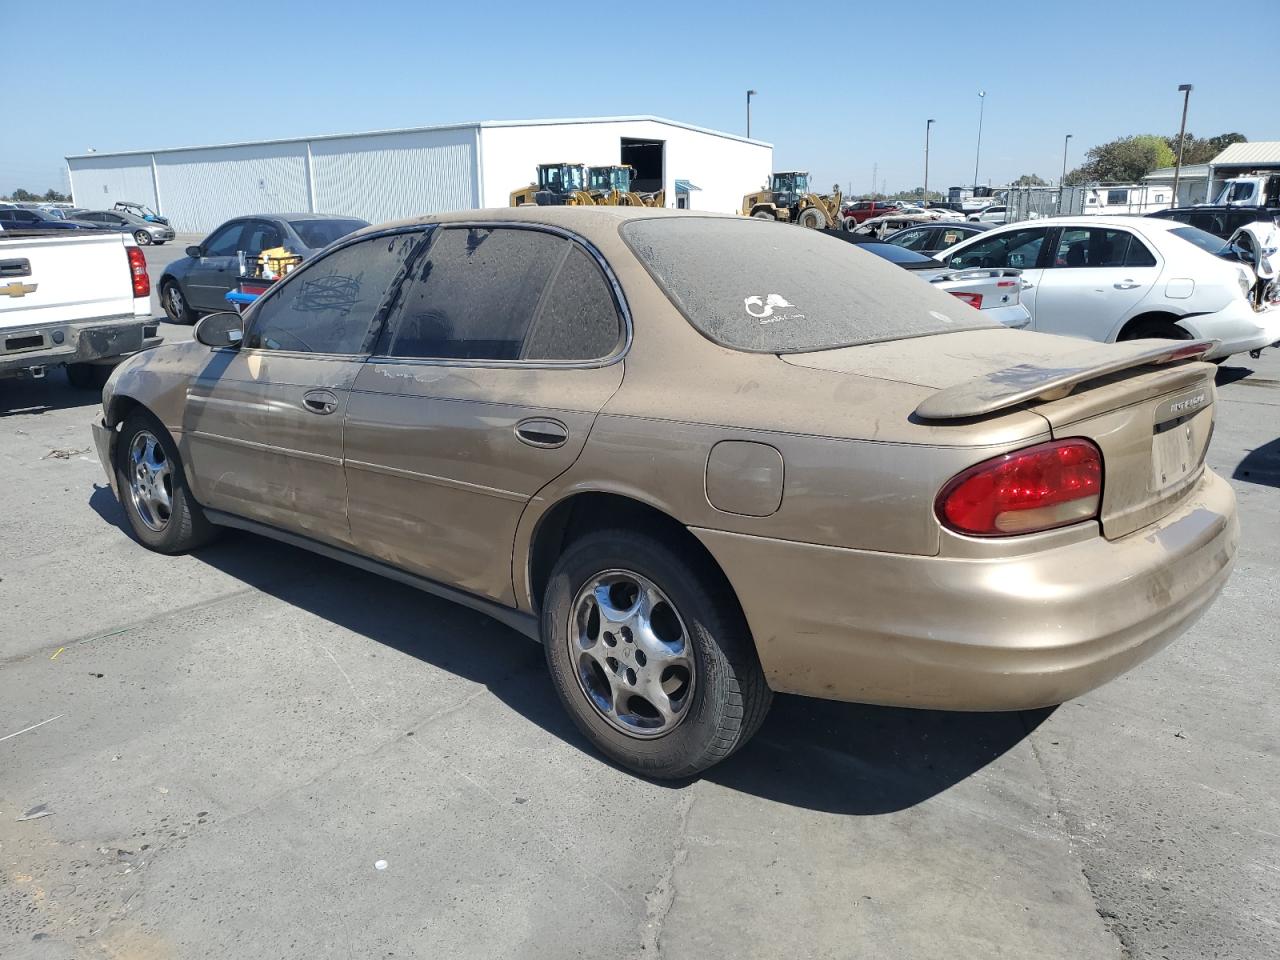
(917, 239)
(474, 293)
(767, 287)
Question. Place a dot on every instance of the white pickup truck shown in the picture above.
(79, 299)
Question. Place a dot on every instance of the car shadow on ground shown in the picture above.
(1230, 374)
(49, 393)
(835, 757)
(1261, 465)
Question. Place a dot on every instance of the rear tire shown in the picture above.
(162, 514)
(88, 376)
(683, 690)
(142, 237)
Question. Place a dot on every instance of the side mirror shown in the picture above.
(195, 251)
(224, 329)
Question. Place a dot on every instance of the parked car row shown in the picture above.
(144, 232)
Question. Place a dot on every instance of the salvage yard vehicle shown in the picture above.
(557, 184)
(1128, 278)
(997, 290)
(886, 223)
(702, 458)
(25, 218)
(75, 300)
(139, 210)
(787, 198)
(200, 281)
(932, 238)
(144, 232)
(1221, 221)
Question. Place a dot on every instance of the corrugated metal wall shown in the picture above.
(390, 176)
(201, 188)
(386, 176)
(99, 182)
(377, 177)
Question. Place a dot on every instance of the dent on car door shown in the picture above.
(263, 424)
(497, 356)
(1097, 277)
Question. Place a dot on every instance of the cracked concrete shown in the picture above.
(251, 730)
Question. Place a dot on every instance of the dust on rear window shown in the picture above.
(765, 287)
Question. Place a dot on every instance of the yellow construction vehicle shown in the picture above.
(787, 198)
(558, 184)
(611, 186)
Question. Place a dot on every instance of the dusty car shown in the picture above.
(702, 458)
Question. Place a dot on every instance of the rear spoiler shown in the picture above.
(1055, 379)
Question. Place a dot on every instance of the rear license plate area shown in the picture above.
(1180, 438)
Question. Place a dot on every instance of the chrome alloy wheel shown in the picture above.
(150, 481)
(177, 307)
(632, 654)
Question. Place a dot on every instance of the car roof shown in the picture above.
(585, 220)
(1105, 220)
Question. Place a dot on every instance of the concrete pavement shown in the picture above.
(252, 752)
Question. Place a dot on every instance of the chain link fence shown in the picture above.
(1031, 203)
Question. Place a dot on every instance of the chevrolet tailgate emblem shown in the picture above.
(18, 289)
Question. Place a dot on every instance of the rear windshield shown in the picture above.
(766, 287)
(320, 233)
(1202, 239)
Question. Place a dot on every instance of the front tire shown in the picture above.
(162, 514)
(813, 219)
(142, 237)
(175, 305)
(651, 655)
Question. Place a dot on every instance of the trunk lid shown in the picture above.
(1147, 404)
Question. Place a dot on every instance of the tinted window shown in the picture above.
(1016, 248)
(577, 319)
(950, 236)
(917, 239)
(320, 233)
(225, 241)
(899, 255)
(772, 288)
(329, 306)
(260, 235)
(1097, 247)
(473, 294)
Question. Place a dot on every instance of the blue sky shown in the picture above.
(841, 86)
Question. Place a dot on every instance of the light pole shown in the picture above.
(927, 125)
(1185, 90)
(750, 94)
(1062, 183)
(982, 102)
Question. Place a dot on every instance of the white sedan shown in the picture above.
(1124, 278)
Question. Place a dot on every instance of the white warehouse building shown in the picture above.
(391, 174)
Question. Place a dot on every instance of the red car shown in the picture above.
(860, 210)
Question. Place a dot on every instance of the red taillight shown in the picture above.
(138, 272)
(1045, 486)
(972, 299)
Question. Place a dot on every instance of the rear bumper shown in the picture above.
(1015, 315)
(1238, 327)
(30, 350)
(962, 634)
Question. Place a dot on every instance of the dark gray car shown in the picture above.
(144, 232)
(200, 281)
(931, 238)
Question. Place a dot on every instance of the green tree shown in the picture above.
(1126, 160)
(23, 196)
(1030, 180)
(53, 196)
(1203, 149)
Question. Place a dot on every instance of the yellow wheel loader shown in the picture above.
(787, 198)
(558, 184)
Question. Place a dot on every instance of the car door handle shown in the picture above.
(541, 432)
(319, 401)
(1126, 285)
